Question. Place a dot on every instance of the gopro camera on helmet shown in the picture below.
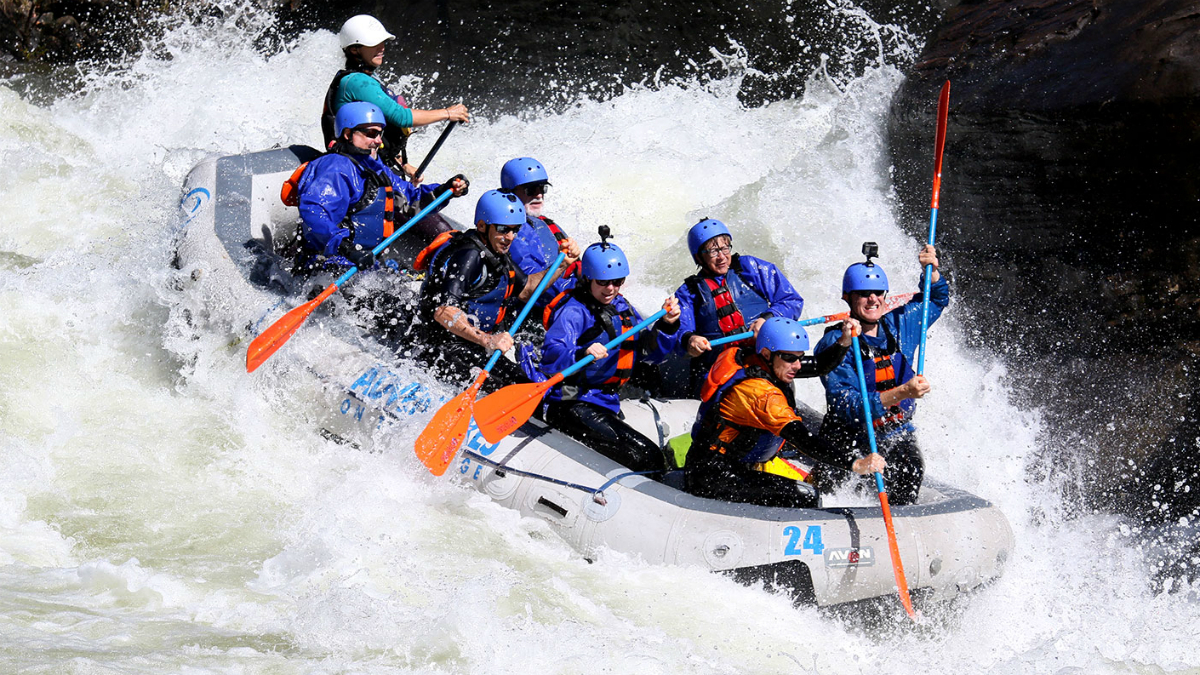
(871, 250)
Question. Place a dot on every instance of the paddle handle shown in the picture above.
(433, 151)
(731, 338)
(939, 145)
(537, 293)
(583, 363)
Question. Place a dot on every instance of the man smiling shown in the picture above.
(888, 346)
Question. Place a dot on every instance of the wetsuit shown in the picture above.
(465, 273)
(744, 420)
(888, 362)
(717, 305)
(587, 406)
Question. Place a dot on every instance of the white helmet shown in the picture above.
(364, 30)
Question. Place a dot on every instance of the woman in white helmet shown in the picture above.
(363, 39)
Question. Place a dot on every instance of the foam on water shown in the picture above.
(162, 511)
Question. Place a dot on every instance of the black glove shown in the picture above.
(441, 189)
(362, 258)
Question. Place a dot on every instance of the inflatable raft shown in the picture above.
(233, 223)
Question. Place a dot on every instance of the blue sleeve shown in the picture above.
(363, 87)
(562, 338)
(841, 387)
(906, 321)
(527, 252)
(327, 189)
(778, 291)
(687, 314)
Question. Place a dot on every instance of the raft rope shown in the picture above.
(596, 493)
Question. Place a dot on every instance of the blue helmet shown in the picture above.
(604, 262)
(778, 334)
(499, 208)
(356, 114)
(701, 232)
(864, 277)
(520, 171)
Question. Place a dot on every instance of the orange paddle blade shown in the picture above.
(271, 339)
(897, 565)
(503, 412)
(439, 441)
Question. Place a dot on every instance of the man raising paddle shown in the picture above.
(888, 344)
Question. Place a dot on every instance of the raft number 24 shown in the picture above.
(812, 540)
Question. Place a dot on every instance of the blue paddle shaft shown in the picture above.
(403, 228)
(925, 298)
(731, 338)
(582, 363)
(870, 420)
(537, 293)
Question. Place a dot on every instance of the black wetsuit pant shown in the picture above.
(903, 476)
(605, 433)
(721, 478)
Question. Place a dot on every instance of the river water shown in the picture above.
(162, 511)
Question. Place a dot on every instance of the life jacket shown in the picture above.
(885, 360)
(607, 324)
(371, 219)
(749, 445)
(490, 294)
(395, 138)
(721, 308)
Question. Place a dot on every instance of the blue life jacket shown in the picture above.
(372, 219)
(751, 445)
(743, 300)
(495, 289)
(605, 376)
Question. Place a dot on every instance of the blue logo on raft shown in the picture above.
(383, 390)
(197, 198)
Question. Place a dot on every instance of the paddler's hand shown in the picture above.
(697, 345)
(850, 328)
(597, 350)
(411, 172)
(756, 324)
(672, 306)
(872, 463)
(458, 113)
(501, 341)
(928, 256)
(917, 387)
(572, 250)
(459, 185)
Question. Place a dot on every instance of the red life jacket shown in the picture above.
(729, 318)
(560, 237)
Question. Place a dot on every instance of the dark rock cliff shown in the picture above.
(1069, 208)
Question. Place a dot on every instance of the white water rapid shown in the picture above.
(161, 511)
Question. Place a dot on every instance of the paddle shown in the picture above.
(891, 303)
(897, 564)
(270, 340)
(440, 439)
(501, 413)
(433, 151)
(939, 144)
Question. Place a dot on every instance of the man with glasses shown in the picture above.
(471, 293)
(350, 201)
(539, 242)
(888, 345)
(587, 406)
(716, 302)
(748, 412)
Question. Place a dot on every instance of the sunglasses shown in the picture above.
(610, 282)
(787, 357)
(370, 133)
(867, 294)
(505, 229)
(535, 188)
